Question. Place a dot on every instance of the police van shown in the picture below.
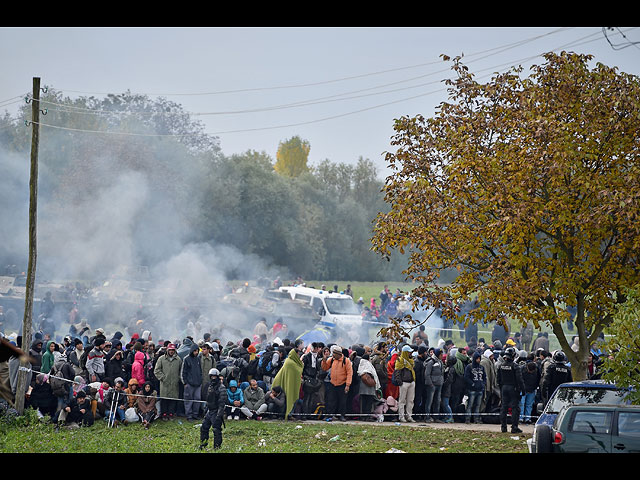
(334, 309)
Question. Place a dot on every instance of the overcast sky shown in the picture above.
(355, 81)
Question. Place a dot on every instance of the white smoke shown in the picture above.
(88, 239)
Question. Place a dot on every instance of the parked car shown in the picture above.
(588, 392)
(592, 428)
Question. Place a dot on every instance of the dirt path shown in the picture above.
(482, 427)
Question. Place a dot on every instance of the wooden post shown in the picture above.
(31, 270)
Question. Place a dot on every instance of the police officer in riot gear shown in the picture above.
(216, 397)
(511, 385)
(557, 372)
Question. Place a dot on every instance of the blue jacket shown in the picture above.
(233, 396)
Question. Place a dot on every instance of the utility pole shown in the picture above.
(31, 270)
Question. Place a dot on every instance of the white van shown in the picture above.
(334, 309)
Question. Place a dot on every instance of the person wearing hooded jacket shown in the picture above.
(405, 364)
(167, 371)
(476, 379)
(75, 355)
(185, 348)
(146, 404)
(458, 385)
(132, 391)
(434, 381)
(35, 352)
(62, 385)
(48, 358)
(491, 392)
(449, 378)
(235, 402)
(114, 368)
(42, 397)
(191, 377)
(137, 368)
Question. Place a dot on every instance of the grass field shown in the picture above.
(179, 436)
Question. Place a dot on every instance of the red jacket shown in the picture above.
(137, 369)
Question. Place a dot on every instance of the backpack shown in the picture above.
(252, 368)
(58, 385)
(83, 359)
(265, 366)
(381, 369)
(224, 362)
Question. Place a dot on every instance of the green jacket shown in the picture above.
(207, 363)
(47, 359)
(167, 371)
(253, 398)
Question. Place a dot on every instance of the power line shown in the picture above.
(619, 46)
(580, 41)
(325, 99)
(6, 103)
(341, 79)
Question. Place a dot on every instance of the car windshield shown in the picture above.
(566, 396)
(341, 306)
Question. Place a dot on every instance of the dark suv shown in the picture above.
(588, 392)
(592, 429)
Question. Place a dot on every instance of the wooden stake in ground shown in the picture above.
(31, 270)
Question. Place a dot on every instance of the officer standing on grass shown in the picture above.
(216, 396)
(511, 385)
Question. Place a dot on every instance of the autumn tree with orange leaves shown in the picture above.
(530, 188)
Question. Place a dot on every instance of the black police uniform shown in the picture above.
(556, 374)
(511, 385)
(216, 397)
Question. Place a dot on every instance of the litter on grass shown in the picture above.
(395, 450)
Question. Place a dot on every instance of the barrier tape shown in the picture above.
(114, 406)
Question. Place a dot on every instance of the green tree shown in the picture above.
(622, 366)
(292, 156)
(530, 188)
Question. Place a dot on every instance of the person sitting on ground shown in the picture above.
(116, 403)
(254, 400)
(235, 402)
(78, 410)
(276, 402)
(146, 405)
(42, 397)
(132, 392)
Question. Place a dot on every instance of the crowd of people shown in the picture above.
(91, 375)
(138, 379)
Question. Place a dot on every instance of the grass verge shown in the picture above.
(179, 436)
